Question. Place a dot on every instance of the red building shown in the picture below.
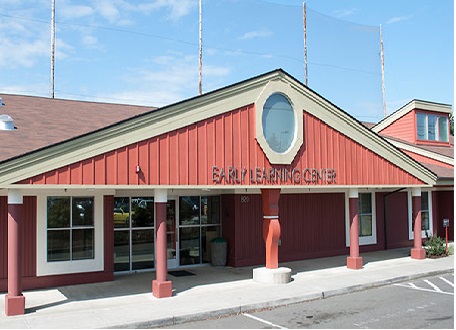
(89, 189)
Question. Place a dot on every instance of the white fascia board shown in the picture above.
(200, 108)
(422, 152)
(347, 125)
(134, 130)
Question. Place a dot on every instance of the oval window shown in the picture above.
(278, 123)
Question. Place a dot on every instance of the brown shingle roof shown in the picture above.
(41, 122)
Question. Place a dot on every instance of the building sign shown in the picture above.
(274, 175)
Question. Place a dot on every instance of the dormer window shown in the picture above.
(431, 127)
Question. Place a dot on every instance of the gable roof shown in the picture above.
(414, 104)
(187, 112)
(41, 122)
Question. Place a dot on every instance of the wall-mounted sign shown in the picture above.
(274, 175)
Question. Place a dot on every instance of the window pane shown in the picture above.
(142, 212)
(208, 234)
(83, 247)
(58, 245)
(121, 250)
(421, 126)
(425, 201)
(278, 123)
(82, 208)
(58, 212)
(365, 203)
(189, 210)
(432, 121)
(210, 209)
(189, 245)
(365, 225)
(142, 249)
(424, 220)
(443, 129)
(121, 212)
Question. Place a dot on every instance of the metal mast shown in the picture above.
(382, 58)
(52, 48)
(304, 15)
(200, 84)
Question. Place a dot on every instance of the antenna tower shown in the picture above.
(52, 48)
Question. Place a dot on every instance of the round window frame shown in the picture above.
(293, 97)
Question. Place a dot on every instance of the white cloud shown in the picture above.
(89, 41)
(398, 19)
(22, 52)
(256, 34)
(77, 11)
(167, 79)
(344, 12)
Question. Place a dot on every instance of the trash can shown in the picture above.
(218, 251)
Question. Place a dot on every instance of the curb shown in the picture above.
(217, 313)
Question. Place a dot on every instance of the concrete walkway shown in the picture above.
(209, 291)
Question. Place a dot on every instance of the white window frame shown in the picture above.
(43, 267)
(363, 240)
(410, 222)
(436, 128)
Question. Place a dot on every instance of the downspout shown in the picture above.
(384, 213)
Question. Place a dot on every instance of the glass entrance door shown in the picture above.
(133, 233)
(171, 234)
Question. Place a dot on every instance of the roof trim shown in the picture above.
(199, 108)
(422, 152)
(414, 104)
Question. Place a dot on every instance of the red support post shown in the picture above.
(14, 300)
(354, 261)
(271, 226)
(161, 287)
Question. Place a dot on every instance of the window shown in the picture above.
(199, 223)
(432, 127)
(426, 215)
(365, 214)
(133, 233)
(425, 211)
(70, 228)
(367, 230)
(278, 123)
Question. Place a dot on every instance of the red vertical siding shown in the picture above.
(443, 204)
(28, 236)
(310, 228)
(186, 156)
(396, 207)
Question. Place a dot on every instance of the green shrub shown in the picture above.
(435, 247)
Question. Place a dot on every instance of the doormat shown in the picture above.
(180, 273)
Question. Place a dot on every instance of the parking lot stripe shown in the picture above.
(445, 280)
(263, 321)
(435, 287)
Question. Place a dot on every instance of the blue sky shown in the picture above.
(146, 52)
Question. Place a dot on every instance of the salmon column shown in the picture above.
(354, 261)
(161, 287)
(271, 226)
(14, 300)
(417, 251)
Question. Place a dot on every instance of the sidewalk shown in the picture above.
(208, 291)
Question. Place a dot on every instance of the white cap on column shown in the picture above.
(14, 196)
(416, 191)
(353, 193)
(161, 196)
